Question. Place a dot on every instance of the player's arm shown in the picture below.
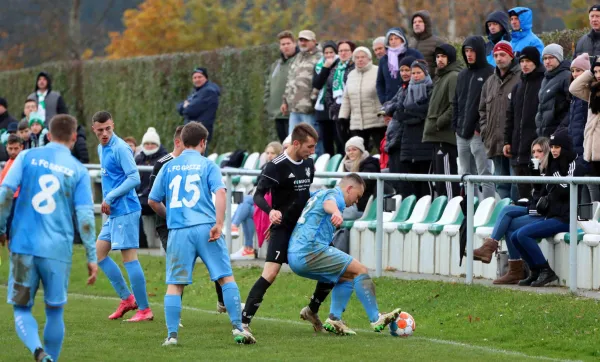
(157, 195)
(330, 207)
(86, 222)
(267, 180)
(125, 157)
(9, 186)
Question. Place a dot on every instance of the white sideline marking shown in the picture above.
(289, 321)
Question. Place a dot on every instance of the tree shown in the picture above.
(577, 17)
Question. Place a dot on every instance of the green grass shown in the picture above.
(485, 320)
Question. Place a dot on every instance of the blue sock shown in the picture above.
(113, 273)
(54, 332)
(138, 283)
(340, 296)
(365, 291)
(27, 328)
(231, 297)
(172, 312)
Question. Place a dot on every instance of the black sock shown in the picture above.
(255, 297)
(219, 292)
(321, 292)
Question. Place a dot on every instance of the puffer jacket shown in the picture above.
(495, 98)
(412, 116)
(426, 42)
(395, 128)
(578, 113)
(524, 37)
(580, 88)
(589, 43)
(553, 110)
(438, 125)
(465, 106)
(360, 102)
(501, 18)
(330, 102)
(299, 95)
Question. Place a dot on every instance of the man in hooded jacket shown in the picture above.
(50, 102)
(497, 28)
(424, 40)
(521, 21)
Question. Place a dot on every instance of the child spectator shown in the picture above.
(24, 133)
(38, 132)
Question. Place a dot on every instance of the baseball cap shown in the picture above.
(307, 34)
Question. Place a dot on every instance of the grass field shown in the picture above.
(454, 322)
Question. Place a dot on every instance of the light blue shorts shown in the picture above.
(26, 272)
(326, 265)
(122, 232)
(186, 244)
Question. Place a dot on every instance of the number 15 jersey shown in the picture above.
(186, 185)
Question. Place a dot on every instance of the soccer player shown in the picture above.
(311, 256)
(187, 184)
(14, 146)
(53, 186)
(121, 231)
(288, 178)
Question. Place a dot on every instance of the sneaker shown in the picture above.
(243, 254)
(246, 327)
(235, 231)
(125, 306)
(385, 319)
(338, 327)
(170, 341)
(308, 315)
(142, 315)
(41, 356)
(243, 337)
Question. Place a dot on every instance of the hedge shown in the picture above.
(143, 92)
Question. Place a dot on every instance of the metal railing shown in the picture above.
(468, 180)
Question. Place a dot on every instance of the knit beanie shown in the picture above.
(151, 136)
(12, 127)
(363, 49)
(594, 8)
(421, 64)
(357, 142)
(582, 62)
(35, 117)
(504, 46)
(407, 61)
(554, 50)
(561, 138)
(202, 70)
(447, 50)
(532, 54)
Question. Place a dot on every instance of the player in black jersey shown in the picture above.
(161, 224)
(288, 177)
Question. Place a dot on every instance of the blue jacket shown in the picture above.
(203, 104)
(524, 37)
(577, 118)
(501, 18)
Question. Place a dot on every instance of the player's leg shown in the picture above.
(311, 312)
(220, 303)
(173, 308)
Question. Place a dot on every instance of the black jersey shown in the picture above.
(161, 224)
(289, 182)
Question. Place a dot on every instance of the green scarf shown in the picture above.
(320, 105)
(338, 81)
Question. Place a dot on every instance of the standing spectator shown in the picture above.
(553, 110)
(276, 79)
(336, 83)
(322, 72)
(521, 21)
(495, 98)
(80, 151)
(202, 104)
(438, 125)
(379, 47)
(49, 101)
(590, 42)
(5, 117)
(152, 151)
(497, 28)
(388, 77)
(465, 115)
(519, 131)
(425, 41)
(360, 103)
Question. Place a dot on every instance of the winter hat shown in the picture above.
(330, 44)
(421, 64)
(35, 117)
(12, 127)
(532, 54)
(447, 50)
(554, 50)
(23, 125)
(504, 46)
(582, 62)
(362, 49)
(395, 31)
(151, 136)
(357, 142)
(561, 138)
(3, 102)
(407, 61)
(202, 70)
(594, 8)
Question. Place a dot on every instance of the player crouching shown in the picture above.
(311, 255)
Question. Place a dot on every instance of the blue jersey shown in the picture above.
(186, 184)
(120, 177)
(314, 229)
(53, 186)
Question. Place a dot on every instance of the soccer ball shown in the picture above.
(404, 326)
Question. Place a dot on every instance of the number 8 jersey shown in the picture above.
(53, 185)
(186, 185)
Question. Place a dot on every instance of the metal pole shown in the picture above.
(573, 236)
(229, 185)
(379, 230)
(470, 231)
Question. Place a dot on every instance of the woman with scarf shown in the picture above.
(388, 77)
(323, 69)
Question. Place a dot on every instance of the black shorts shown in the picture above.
(278, 245)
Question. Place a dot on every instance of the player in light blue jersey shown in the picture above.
(53, 187)
(186, 184)
(311, 255)
(121, 231)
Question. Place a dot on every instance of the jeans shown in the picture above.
(470, 150)
(502, 168)
(297, 118)
(511, 219)
(525, 239)
(243, 217)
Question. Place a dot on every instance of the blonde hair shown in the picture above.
(545, 145)
(276, 146)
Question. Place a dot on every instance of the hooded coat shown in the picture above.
(438, 125)
(501, 18)
(55, 104)
(387, 85)
(524, 37)
(465, 113)
(412, 117)
(426, 42)
(554, 96)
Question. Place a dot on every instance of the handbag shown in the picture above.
(543, 205)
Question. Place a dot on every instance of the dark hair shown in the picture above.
(193, 133)
(14, 139)
(355, 179)
(62, 127)
(177, 134)
(285, 34)
(302, 131)
(130, 139)
(101, 117)
(350, 43)
(30, 100)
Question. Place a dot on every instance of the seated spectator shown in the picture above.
(244, 214)
(563, 163)
(514, 217)
(152, 151)
(132, 142)
(38, 132)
